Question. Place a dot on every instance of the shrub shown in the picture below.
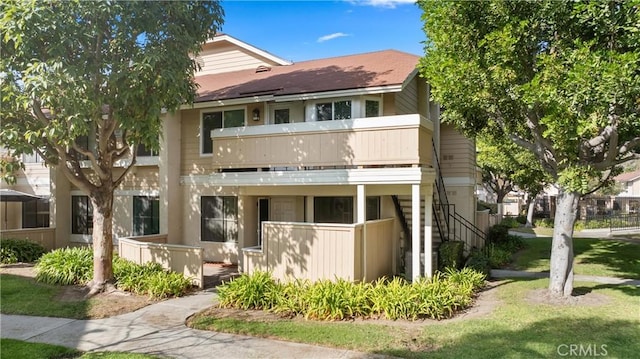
(20, 251)
(450, 254)
(510, 222)
(497, 234)
(478, 260)
(522, 219)
(256, 291)
(498, 257)
(66, 266)
(544, 223)
(165, 284)
(149, 279)
(438, 297)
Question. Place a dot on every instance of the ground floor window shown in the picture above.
(333, 209)
(146, 215)
(373, 208)
(219, 218)
(81, 215)
(35, 213)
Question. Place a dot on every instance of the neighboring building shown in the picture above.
(311, 169)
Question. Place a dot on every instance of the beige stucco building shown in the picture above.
(315, 169)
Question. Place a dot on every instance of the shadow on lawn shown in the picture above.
(541, 339)
(617, 256)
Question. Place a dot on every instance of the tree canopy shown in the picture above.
(559, 79)
(84, 83)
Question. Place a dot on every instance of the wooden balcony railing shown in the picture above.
(379, 141)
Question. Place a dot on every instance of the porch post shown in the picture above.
(428, 240)
(361, 216)
(361, 207)
(415, 232)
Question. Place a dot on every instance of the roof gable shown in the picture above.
(628, 177)
(224, 53)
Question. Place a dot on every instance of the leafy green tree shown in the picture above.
(505, 167)
(560, 79)
(101, 72)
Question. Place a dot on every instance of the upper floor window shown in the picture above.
(218, 119)
(33, 157)
(333, 110)
(371, 108)
(281, 115)
(143, 151)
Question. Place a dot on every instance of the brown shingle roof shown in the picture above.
(629, 176)
(382, 68)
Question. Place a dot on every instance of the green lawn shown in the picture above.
(20, 295)
(515, 328)
(600, 257)
(17, 349)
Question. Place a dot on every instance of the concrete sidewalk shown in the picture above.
(159, 329)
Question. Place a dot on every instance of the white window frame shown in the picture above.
(311, 107)
(215, 109)
(363, 107)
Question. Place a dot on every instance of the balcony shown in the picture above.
(392, 141)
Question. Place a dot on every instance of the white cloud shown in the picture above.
(382, 3)
(335, 35)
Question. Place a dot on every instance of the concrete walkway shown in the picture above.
(159, 329)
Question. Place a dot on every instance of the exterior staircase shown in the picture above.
(447, 224)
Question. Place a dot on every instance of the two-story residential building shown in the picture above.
(335, 167)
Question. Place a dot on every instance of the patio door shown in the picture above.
(263, 215)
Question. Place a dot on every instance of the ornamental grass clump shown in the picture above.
(66, 266)
(71, 266)
(256, 291)
(438, 297)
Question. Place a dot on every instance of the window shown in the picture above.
(371, 108)
(143, 151)
(35, 213)
(333, 209)
(83, 143)
(337, 110)
(281, 116)
(373, 208)
(146, 215)
(219, 219)
(81, 215)
(32, 157)
(219, 119)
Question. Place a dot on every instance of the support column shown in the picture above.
(415, 232)
(169, 178)
(361, 217)
(428, 240)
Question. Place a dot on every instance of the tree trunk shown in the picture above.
(102, 202)
(531, 204)
(561, 276)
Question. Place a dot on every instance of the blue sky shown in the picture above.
(305, 30)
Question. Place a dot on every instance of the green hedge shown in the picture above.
(20, 251)
(438, 297)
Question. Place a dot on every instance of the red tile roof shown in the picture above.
(382, 68)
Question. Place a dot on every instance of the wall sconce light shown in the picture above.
(256, 114)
